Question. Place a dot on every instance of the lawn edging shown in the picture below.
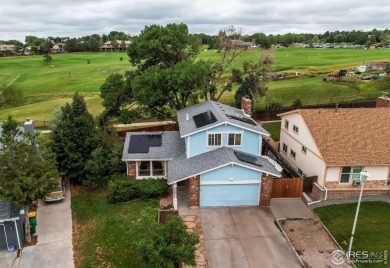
(284, 234)
(329, 233)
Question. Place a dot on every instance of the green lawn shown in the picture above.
(45, 86)
(101, 236)
(372, 230)
(274, 129)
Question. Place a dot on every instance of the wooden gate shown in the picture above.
(287, 188)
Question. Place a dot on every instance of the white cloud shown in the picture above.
(19, 18)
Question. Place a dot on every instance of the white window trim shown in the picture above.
(151, 169)
(295, 126)
(283, 144)
(304, 151)
(292, 151)
(207, 139)
(350, 179)
(234, 132)
(288, 124)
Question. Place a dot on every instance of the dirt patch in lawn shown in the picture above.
(311, 241)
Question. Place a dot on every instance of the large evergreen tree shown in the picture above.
(75, 136)
(27, 173)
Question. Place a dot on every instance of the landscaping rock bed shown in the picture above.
(194, 225)
(311, 241)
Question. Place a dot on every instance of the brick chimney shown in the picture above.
(382, 102)
(246, 105)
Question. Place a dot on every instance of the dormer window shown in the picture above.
(214, 139)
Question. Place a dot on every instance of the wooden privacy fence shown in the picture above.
(287, 188)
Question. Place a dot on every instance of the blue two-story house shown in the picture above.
(216, 152)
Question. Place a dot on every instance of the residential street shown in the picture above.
(54, 247)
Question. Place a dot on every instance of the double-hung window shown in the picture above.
(214, 139)
(285, 148)
(295, 129)
(234, 139)
(349, 174)
(286, 123)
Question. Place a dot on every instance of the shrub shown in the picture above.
(124, 188)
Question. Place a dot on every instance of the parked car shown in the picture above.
(366, 77)
(58, 192)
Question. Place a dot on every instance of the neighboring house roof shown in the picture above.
(220, 112)
(171, 147)
(355, 136)
(28, 127)
(8, 211)
(183, 168)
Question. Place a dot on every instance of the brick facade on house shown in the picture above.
(193, 192)
(131, 169)
(346, 192)
(246, 105)
(368, 184)
(265, 190)
(382, 102)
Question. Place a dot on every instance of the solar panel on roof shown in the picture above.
(204, 119)
(247, 158)
(142, 143)
(242, 119)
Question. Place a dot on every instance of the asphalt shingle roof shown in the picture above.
(8, 211)
(220, 112)
(181, 168)
(352, 136)
(172, 146)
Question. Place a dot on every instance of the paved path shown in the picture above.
(290, 208)
(54, 247)
(383, 198)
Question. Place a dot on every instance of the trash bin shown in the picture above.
(33, 225)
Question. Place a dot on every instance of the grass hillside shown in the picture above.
(46, 86)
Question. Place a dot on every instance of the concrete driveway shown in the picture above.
(54, 247)
(245, 237)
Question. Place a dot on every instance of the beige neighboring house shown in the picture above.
(58, 48)
(4, 48)
(336, 145)
(122, 45)
(26, 51)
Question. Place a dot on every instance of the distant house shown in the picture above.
(58, 48)
(12, 218)
(241, 44)
(120, 46)
(336, 145)
(384, 66)
(216, 155)
(4, 48)
(26, 51)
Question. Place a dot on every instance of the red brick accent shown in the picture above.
(131, 169)
(382, 102)
(246, 105)
(265, 190)
(193, 192)
(353, 191)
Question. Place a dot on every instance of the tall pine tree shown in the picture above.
(75, 136)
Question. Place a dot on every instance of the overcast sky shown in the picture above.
(75, 18)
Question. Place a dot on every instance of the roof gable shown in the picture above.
(221, 114)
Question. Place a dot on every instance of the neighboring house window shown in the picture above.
(151, 169)
(285, 148)
(214, 140)
(286, 124)
(300, 171)
(295, 129)
(350, 173)
(304, 149)
(144, 168)
(292, 154)
(234, 139)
